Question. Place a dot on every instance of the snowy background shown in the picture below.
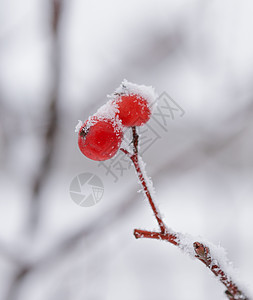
(57, 64)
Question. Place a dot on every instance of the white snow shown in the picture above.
(148, 180)
(125, 142)
(218, 255)
(129, 88)
(109, 110)
(78, 126)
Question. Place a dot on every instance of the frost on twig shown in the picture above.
(145, 182)
(203, 253)
(214, 257)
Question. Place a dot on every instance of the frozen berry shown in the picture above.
(133, 110)
(100, 138)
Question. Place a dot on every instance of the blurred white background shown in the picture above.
(58, 61)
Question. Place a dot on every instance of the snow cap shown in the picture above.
(129, 88)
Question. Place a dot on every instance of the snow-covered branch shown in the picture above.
(214, 257)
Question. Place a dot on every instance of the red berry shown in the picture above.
(100, 138)
(133, 110)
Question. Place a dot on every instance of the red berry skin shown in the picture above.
(133, 110)
(100, 139)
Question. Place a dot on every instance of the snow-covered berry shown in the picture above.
(100, 138)
(133, 110)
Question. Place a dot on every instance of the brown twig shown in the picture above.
(135, 159)
(169, 237)
(202, 252)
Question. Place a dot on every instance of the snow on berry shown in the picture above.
(101, 135)
(134, 103)
(108, 110)
(128, 88)
(133, 110)
(78, 126)
(99, 138)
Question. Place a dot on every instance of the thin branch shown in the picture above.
(203, 254)
(135, 159)
(169, 237)
(201, 251)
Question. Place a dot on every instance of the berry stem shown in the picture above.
(202, 252)
(135, 159)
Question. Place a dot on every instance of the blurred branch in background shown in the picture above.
(51, 114)
(49, 143)
(210, 144)
(9, 255)
(3, 132)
